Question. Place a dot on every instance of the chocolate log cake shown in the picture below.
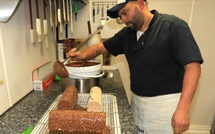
(78, 107)
(106, 131)
(95, 100)
(78, 121)
(69, 99)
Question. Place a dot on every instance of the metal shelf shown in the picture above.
(109, 104)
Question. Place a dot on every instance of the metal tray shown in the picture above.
(109, 104)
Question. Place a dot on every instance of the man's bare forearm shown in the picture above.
(94, 51)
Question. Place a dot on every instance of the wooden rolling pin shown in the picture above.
(95, 100)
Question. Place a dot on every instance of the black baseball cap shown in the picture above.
(113, 12)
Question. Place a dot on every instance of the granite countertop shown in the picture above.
(29, 110)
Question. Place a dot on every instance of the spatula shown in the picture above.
(31, 22)
(38, 23)
(102, 21)
(45, 26)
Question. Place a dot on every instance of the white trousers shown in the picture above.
(152, 115)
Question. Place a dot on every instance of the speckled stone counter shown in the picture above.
(28, 111)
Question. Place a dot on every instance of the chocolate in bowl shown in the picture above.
(79, 69)
(82, 64)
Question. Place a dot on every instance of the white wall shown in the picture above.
(21, 57)
(4, 95)
(203, 109)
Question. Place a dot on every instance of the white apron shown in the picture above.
(153, 115)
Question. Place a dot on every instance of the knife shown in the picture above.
(59, 17)
(65, 18)
(71, 19)
(94, 14)
(76, 9)
(45, 25)
(31, 22)
(51, 14)
(55, 13)
(38, 23)
(68, 10)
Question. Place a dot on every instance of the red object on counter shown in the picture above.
(41, 85)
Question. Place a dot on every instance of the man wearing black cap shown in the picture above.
(164, 62)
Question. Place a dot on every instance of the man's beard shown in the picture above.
(137, 21)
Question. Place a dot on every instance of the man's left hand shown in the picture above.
(180, 121)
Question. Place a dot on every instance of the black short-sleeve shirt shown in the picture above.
(156, 60)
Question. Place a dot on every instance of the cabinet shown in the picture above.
(4, 94)
(4, 97)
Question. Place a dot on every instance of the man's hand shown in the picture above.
(75, 55)
(181, 117)
(180, 121)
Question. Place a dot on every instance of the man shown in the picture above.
(164, 62)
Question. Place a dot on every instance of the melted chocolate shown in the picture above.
(82, 64)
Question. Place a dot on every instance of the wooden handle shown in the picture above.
(94, 14)
(58, 4)
(44, 9)
(89, 27)
(30, 10)
(37, 8)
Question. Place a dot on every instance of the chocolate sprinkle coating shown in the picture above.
(69, 99)
(73, 120)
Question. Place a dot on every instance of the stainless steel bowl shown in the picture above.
(83, 85)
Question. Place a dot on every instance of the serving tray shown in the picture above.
(109, 105)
